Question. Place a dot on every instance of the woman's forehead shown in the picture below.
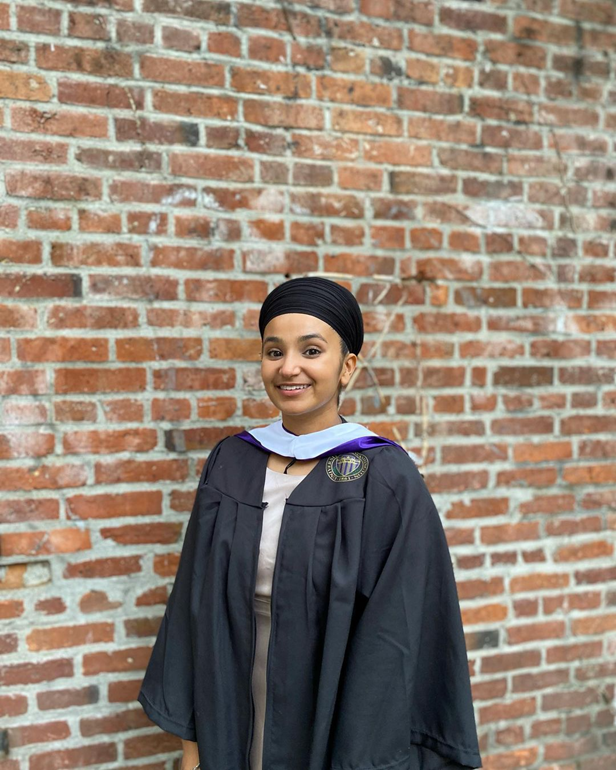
(290, 326)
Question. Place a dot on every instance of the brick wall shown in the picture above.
(163, 164)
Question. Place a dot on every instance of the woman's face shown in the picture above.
(299, 349)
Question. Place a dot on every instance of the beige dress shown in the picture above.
(278, 486)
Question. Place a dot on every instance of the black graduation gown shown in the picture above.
(367, 665)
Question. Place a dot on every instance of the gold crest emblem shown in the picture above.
(347, 467)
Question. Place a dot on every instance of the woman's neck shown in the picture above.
(303, 424)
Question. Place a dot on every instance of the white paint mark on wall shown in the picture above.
(271, 200)
(179, 196)
(499, 214)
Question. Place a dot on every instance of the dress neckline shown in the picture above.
(286, 475)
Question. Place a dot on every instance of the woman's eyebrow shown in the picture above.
(303, 338)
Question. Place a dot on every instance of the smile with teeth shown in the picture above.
(293, 387)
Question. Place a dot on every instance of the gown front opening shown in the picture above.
(278, 486)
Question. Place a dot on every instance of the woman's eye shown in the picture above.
(272, 353)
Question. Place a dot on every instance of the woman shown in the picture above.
(314, 621)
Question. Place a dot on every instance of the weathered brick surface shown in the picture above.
(163, 165)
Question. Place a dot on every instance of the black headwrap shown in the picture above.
(321, 298)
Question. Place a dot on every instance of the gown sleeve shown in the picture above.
(415, 602)
(167, 689)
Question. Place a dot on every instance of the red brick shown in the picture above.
(60, 122)
(131, 659)
(135, 287)
(345, 119)
(96, 254)
(24, 85)
(557, 115)
(92, 317)
(365, 33)
(517, 709)
(144, 745)
(63, 699)
(69, 636)
(283, 114)
(353, 92)
(14, 51)
(49, 219)
(349, 60)
(442, 45)
(91, 93)
(19, 444)
(259, 81)
(13, 705)
(9, 216)
(8, 643)
(132, 719)
(595, 549)
(42, 543)
(403, 153)
(97, 601)
(427, 100)
(129, 31)
(267, 48)
(45, 21)
(205, 10)
(196, 104)
(327, 205)
(310, 55)
(109, 441)
(105, 506)
(133, 160)
(518, 54)
(12, 608)
(225, 167)
(153, 192)
(184, 39)
(99, 222)
(20, 252)
(185, 71)
(52, 606)
(418, 183)
(544, 31)
(103, 568)
(249, 15)
(93, 754)
(52, 185)
(461, 18)
(34, 673)
(101, 62)
(93, 380)
(166, 565)
(154, 131)
(33, 151)
(136, 471)
(193, 379)
(88, 25)
(224, 44)
(47, 477)
(552, 629)
(138, 534)
(147, 222)
(124, 692)
(399, 10)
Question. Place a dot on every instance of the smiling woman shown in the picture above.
(314, 621)
(302, 370)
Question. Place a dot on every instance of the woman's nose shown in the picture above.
(289, 364)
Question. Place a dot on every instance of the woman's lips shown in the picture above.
(294, 391)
